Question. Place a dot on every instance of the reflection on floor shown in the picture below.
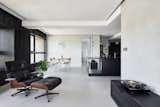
(76, 90)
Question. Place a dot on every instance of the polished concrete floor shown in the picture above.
(76, 90)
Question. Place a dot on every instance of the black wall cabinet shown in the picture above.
(9, 21)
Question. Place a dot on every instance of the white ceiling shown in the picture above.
(65, 11)
(113, 28)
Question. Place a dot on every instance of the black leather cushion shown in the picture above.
(26, 74)
(29, 81)
(50, 82)
(18, 75)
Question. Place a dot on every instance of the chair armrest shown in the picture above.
(35, 72)
(10, 79)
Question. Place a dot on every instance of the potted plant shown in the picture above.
(42, 67)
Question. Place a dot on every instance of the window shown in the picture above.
(37, 46)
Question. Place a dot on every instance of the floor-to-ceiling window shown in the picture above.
(37, 46)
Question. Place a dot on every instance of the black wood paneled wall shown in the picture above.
(22, 39)
(22, 44)
(22, 35)
(9, 21)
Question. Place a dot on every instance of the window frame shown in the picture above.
(34, 48)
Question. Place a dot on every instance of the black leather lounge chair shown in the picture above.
(20, 76)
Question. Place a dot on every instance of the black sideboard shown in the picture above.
(125, 99)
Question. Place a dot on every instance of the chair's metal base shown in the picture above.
(26, 90)
(46, 94)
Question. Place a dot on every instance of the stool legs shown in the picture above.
(46, 94)
(19, 91)
(27, 91)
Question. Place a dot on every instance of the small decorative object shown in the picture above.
(135, 87)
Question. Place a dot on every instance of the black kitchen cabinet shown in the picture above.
(111, 67)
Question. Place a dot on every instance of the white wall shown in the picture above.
(71, 46)
(67, 46)
(141, 36)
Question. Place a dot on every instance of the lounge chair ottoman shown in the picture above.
(47, 84)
